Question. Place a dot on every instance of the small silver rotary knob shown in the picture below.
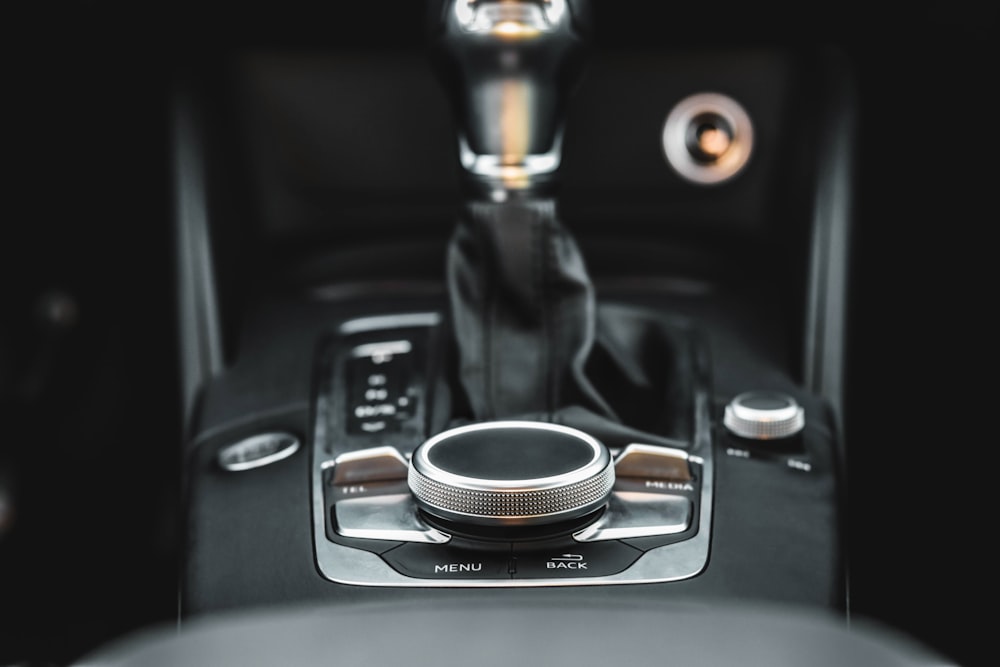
(764, 415)
(511, 473)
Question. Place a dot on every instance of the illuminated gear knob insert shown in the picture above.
(511, 474)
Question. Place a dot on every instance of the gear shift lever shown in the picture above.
(522, 303)
(524, 313)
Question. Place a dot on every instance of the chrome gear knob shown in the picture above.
(510, 66)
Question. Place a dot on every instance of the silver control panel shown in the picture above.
(370, 530)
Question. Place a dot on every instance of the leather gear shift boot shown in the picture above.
(530, 341)
(523, 311)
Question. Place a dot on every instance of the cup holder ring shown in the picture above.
(708, 138)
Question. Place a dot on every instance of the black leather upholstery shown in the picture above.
(537, 630)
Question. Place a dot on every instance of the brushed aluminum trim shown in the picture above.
(636, 514)
(257, 451)
(390, 517)
(377, 464)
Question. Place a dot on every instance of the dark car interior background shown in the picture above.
(247, 271)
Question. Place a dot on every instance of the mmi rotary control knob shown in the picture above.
(511, 474)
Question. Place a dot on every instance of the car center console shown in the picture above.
(717, 514)
(336, 450)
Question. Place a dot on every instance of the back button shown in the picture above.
(568, 559)
(451, 561)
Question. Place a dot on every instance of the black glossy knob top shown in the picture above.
(511, 473)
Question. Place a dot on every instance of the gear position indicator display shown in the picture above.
(382, 393)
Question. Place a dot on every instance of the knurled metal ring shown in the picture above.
(556, 474)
